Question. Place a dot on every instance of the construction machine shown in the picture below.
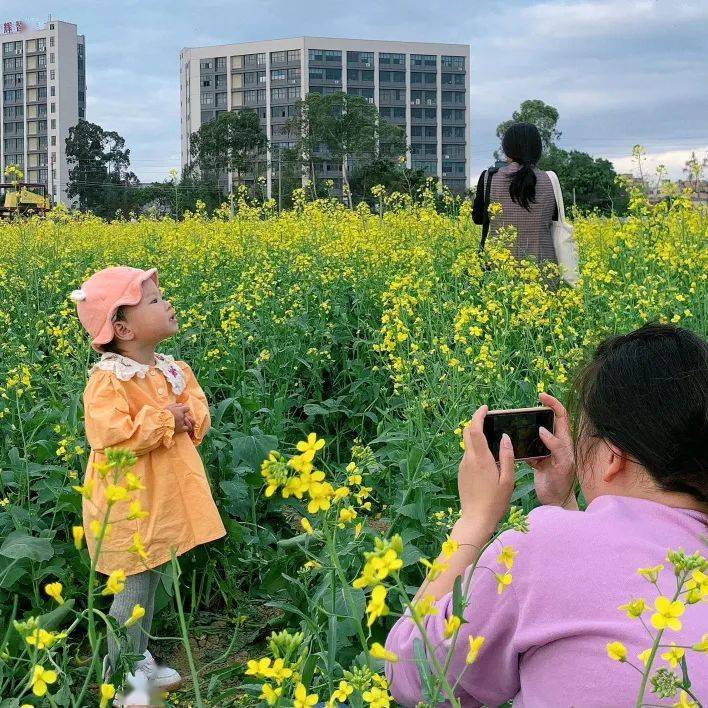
(23, 198)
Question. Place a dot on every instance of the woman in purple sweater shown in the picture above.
(641, 455)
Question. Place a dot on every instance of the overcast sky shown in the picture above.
(620, 72)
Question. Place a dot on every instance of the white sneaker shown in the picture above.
(163, 677)
(137, 686)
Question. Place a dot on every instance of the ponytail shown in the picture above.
(522, 187)
(522, 143)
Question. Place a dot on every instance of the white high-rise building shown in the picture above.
(422, 87)
(43, 95)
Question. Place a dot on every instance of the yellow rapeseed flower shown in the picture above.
(702, 646)
(503, 581)
(506, 557)
(425, 607)
(115, 583)
(135, 616)
(136, 512)
(452, 624)
(475, 645)
(270, 695)
(667, 613)
(54, 591)
(617, 651)
(108, 692)
(651, 574)
(302, 699)
(450, 547)
(435, 569)
(634, 608)
(346, 515)
(341, 693)
(258, 667)
(132, 482)
(97, 529)
(138, 548)
(78, 533)
(674, 655)
(40, 680)
(377, 606)
(311, 446)
(85, 490)
(644, 656)
(685, 701)
(320, 497)
(115, 493)
(307, 526)
(379, 652)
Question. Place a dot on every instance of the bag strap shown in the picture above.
(491, 171)
(558, 195)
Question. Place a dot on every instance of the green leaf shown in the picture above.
(421, 660)
(52, 620)
(458, 600)
(253, 449)
(19, 544)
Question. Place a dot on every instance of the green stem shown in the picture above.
(176, 572)
(345, 589)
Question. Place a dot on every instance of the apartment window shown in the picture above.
(207, 99)
(367, 93)
(250, 78)
(453, 151)
(221, 63)
(364, 58)
(426, 97)
(220, 81)
(427, 113)
(221, 100)
(52, 91)
(453, 97)
(386, 77)
(453, 131)
(427, 60)
(42, 94)
(278, 111)
(237, 62)
(54, 140)
(41, 44)
(293, 55)
(325, 55)
(278, 57)
(42, 61)
(392, 59)
(51, 40)
(294, 74)
(392, 95)
(278, 74)
(52, 75)
(453, 79)
(453, 168)
(236, 99)
(453, 62)
(453, 114)
(53, 123)
(250, 96)
(366, 75)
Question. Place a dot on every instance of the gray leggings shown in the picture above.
(139, 590)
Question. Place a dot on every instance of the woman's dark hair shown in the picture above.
(646, 392)
(522, 143)
(112, 346)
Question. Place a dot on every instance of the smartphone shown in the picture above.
(521, 425)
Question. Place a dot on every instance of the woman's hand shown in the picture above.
(485, 487)
(555, 474)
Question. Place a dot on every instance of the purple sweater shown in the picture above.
(546, 635)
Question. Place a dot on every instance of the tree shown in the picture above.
(694, 169)
(393, 176)
(347, 127)
(588, 183)
(99, 173)
(235, 142)
(542, 115)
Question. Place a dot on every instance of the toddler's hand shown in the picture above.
(180, 411)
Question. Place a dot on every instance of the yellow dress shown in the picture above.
(125, 407)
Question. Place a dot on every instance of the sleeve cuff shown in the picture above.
(167, 422)
(200, 430)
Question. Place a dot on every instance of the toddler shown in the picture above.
(149, 403)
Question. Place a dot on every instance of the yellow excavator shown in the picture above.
(23, 198)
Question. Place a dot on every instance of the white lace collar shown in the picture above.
(125, 368)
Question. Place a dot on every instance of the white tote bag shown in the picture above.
(563, 237)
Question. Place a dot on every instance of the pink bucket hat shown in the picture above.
(103, 293)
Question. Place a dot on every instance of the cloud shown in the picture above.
(673, 160)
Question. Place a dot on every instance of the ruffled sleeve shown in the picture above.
(194, 397)
(110, 424)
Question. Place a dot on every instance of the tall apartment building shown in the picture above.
(43, 95)
(422, 87)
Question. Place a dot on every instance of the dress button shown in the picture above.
(161, 391)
